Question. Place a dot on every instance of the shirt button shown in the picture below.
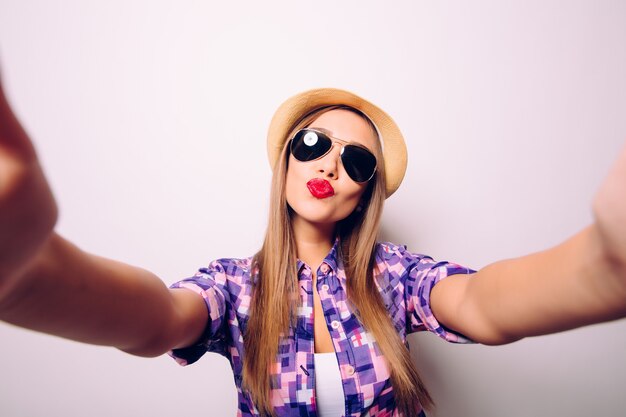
(325, 287)
(350, 370)
(334, 324)
(324, 268)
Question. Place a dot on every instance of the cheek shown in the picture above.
(292, 180)
(351, 200)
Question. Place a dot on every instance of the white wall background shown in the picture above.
(150, 120)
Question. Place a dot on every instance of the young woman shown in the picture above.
(315, 323)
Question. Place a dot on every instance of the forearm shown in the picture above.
(70, 293)
(570, 285)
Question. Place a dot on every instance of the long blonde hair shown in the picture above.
(276, 282)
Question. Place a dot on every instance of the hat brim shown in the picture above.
(288, 114)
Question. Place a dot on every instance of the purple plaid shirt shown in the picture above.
(405, 282)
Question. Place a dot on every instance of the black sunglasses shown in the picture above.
(310, 144)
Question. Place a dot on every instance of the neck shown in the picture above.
(313, 240)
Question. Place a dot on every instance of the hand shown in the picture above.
(609, 208)
(28, 211)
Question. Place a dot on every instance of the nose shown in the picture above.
(329, 164)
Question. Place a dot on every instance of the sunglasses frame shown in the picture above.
(334, 140)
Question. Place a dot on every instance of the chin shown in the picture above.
(316, 216)
(322, 216)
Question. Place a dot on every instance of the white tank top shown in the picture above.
(328, 387)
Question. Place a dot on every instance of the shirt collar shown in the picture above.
(330, 259)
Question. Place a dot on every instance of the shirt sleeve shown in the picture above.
(422, 277)
(209, 283)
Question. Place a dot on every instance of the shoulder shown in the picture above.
(393, 254)
(394, 263)
(228, 271)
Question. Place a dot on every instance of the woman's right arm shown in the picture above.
(50, 285)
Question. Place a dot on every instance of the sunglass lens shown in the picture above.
(308, 145)
(359, 163)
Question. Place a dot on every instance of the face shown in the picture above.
(348, 127)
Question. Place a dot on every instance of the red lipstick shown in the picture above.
(320, 188)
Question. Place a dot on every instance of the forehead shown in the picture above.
(346, 125)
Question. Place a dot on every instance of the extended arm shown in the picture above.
(50, 285)
(579, 282)
(73, 294)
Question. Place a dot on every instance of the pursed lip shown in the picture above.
(320, 188)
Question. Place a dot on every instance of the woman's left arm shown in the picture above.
(581, 281)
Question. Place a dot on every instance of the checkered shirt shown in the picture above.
(404, 284)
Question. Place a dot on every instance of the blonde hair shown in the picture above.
(276, 281)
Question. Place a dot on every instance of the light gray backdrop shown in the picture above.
(150, 119)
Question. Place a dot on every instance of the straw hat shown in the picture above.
(394, 149)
